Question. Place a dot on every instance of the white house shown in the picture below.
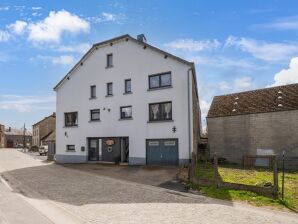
(127, 101)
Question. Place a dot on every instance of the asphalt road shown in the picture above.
(65, 195)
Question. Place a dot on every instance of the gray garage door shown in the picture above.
(162, 152)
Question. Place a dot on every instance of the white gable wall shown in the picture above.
(130, 61)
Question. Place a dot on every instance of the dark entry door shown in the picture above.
(162, 152)
(93, 149)
(111, 149)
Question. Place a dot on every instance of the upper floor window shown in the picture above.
(93, 91)
(160, 111)
(126, 112)
(94, 115)
(127, 84)
(71, 119)
(160, 80)
(110, 89)
(109, 60)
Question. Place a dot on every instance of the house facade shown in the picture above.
(126, 101)
(259, 122)
(42, 129)
(2, 136)
(15, 138)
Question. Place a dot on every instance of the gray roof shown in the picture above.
(111, 41)
(50, 136)
(14, 131)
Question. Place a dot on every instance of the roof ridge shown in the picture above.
(257, 90)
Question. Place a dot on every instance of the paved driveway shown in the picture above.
(165, 177)
(95, 198)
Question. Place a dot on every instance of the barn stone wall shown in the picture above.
(233, 137)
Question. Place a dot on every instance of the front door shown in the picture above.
(93, 149)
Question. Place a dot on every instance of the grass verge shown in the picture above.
(257, 177)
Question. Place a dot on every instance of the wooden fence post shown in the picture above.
(275, 177)
(215, 170)
(193, 166)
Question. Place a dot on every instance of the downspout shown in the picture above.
(188, 101)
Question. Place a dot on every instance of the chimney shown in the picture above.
(142, 38)
(9, 129)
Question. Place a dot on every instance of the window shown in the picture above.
(109, 60)
(71, 119)
(94, 115)
(160, 111)
(70, 148)
(160, 80)
(127, 83)
(125, 112)
(109, 89)
(92, 92)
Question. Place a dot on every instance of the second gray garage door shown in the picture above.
(162, 152)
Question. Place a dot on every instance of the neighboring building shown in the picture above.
(50, 141)
(127, 101)
(15, 138)
(43, 129)
(2, 136)
(259, 122)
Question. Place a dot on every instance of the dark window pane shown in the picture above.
(110, 89)
(95, 115)
(154, 111)
(154, 81)
(166, 111)
(109, 60)
(128, 86)
(93, 91)
(70, 147)
(71, 119)
(165, 79)
(126, 112)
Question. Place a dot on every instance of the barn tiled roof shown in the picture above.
(272, 99)
(14, 131)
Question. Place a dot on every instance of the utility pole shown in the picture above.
(24, 138)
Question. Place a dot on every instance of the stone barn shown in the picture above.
(258, 122)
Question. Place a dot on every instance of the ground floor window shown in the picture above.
(70, 148)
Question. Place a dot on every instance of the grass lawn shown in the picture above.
(257, 177)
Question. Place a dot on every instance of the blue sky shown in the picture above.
(236, 45)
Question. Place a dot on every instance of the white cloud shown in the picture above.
(287, 23)
(191, 45)
(270, 52)
(287, 76)
(59, 60)
(225, 62)
(18, 27)
(63, 60)
(52, 27)
(106, 17)
(204, 106)
(36, 8)
(224, 86)
(4, 8)
(36, 14)
(78, 48)
(4, 36)
(243, 84)
(26, 103)
(109, 16)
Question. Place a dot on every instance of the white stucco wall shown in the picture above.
(130, 61)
